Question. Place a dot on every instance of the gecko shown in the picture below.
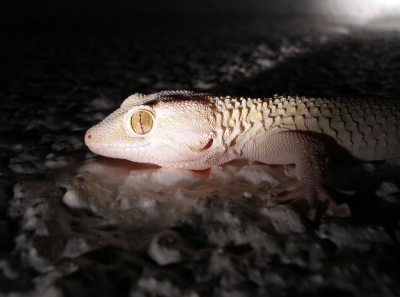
(190, 130)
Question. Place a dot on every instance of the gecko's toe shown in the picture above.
(311, 195)
(276, 192)
(280, 191)
(274, 201)
(292, 195)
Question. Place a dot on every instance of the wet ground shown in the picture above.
(76, 224)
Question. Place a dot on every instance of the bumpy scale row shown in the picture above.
(369, 130)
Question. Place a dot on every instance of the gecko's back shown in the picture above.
(368, 129)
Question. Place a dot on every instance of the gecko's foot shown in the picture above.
(312, 195)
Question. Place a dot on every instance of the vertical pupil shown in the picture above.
(141, 122)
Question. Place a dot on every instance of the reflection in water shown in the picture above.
(135, 191)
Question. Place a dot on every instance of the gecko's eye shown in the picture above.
(141, 122)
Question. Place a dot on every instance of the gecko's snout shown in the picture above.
(88, 137)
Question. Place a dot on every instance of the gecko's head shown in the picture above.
(174, 129)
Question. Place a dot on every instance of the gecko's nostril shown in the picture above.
(88, 138)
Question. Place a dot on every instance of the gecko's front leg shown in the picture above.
(309, 156)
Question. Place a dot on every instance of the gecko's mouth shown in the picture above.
(116, 150)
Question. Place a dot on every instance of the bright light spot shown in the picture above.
(361, 9)
(379, 14)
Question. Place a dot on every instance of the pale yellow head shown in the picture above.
(175, 130)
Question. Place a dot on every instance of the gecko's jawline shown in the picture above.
(103, 149)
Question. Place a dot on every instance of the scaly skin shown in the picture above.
(196, 131)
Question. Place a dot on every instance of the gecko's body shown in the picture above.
(196, 131)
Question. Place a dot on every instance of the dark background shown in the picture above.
(75, 40)
(354, 10)
(104, 8)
